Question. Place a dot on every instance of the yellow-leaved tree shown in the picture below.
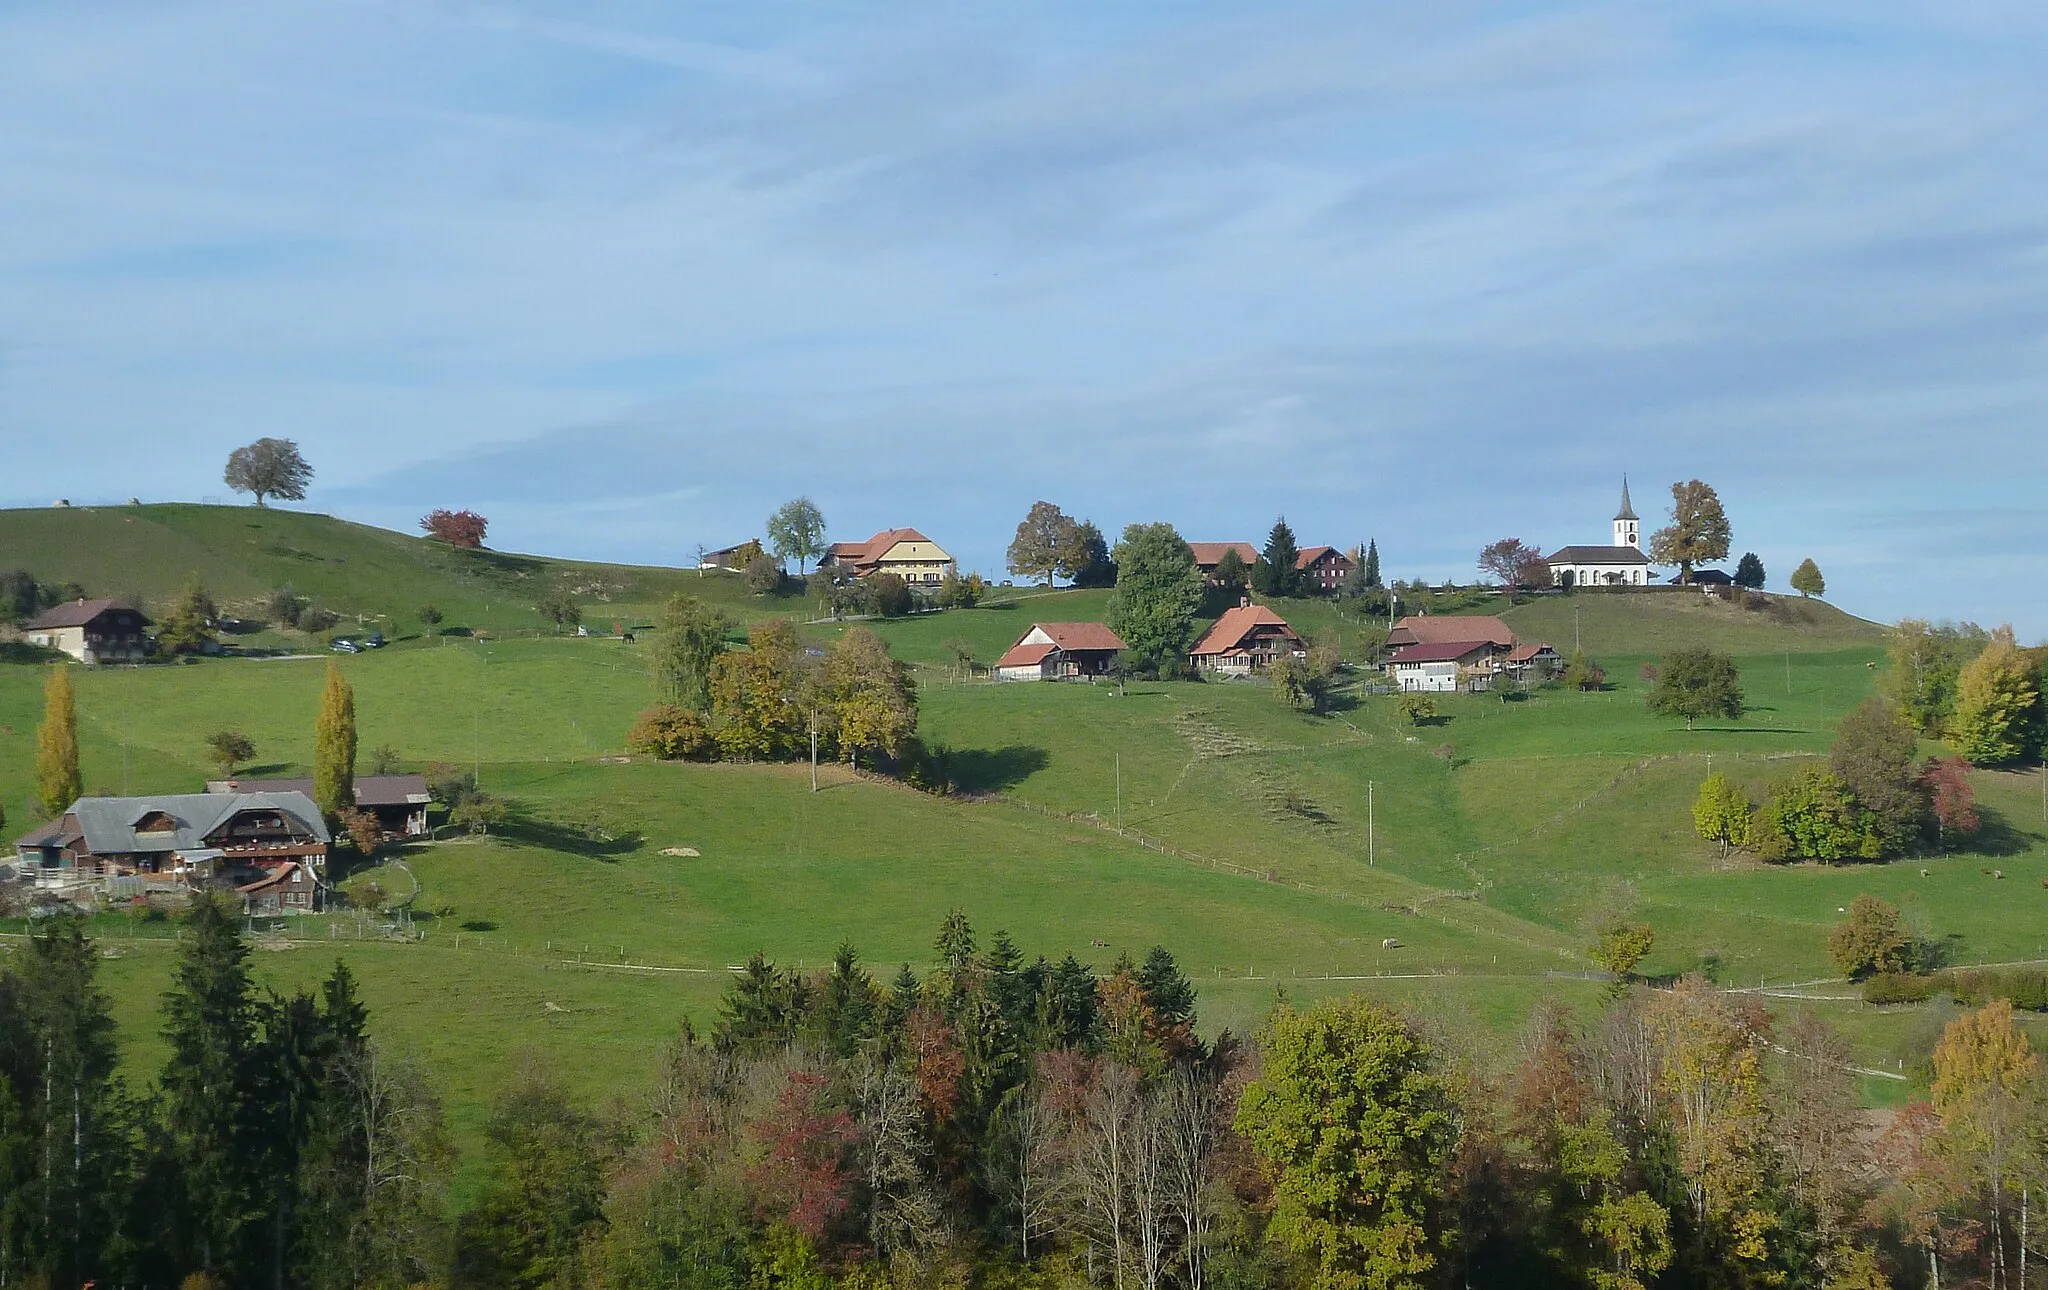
(334, 746)
(57, 781)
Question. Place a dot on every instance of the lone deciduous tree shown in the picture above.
(463, 529)
(690, 638)
(334, 745)
(229, 749)
(1997, 694)
(1695, 683)
(57, 780)
(1806, 579)
(1045, 541)
(1158, 589)
(1698, 532)
(797, 530)
(269, 468)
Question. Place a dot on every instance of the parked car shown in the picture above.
(374, 641)
(344, 645)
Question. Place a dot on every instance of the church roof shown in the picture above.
(1626, 512)
(1597, 555)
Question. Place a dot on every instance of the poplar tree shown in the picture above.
(57, 781)
(334, 746)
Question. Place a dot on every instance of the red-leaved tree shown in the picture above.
(1947, 781)
(456, 528)
(802, 1178)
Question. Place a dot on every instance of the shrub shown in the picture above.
(892, 595)
(1898, 987)
(1810, 816)
(673, 734)
(283, 607)
(316, 617)
(1871, 940)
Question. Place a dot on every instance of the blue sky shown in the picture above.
(625, 276)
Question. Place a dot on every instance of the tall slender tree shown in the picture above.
(334, 745)
(57, 781)
(1372, 562)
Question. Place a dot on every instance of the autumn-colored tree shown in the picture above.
(1986, 1081)
(334, 745)
(1807, 579)
(754, 691)
(1698, 533)
(872, 695)
(463, 529)
(1926, 661)
(1871, 939)
(1355, 1122)
(57, 780)
(672, 734)
(1722, 813)
(806, 1145)
(1997, 697)
(1045, 540)
(1508, 561)
(1946, 781)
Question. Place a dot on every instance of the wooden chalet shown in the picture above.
(1060, 651)
(399, 802)
(270, 849)
(92, 631)
(1244, 639)
(1323, 569)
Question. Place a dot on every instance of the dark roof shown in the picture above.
(1626, 512)
(371, 790)
(1704, 578)
(107, 824)
(78, 613)
(1592, 554)
(1534, 649)
(1441, 651)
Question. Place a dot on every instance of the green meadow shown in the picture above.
(1459, 867)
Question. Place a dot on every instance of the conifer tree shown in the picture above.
(211, 1115)
(1274, 572)
(57, 780)
(334, 746)
(1372, 563)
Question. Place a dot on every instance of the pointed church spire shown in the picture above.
(1626, 512)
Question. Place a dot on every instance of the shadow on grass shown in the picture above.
(985, 770)
(1995, 836)
(268, 770)
(524, 829)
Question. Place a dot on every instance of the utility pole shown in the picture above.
(1578, 644)
(814, 758)
(1369, 853)
(1119, 792)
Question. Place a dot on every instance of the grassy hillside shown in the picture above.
(1267, 848)
(242, 553)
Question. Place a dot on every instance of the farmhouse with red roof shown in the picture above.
(1059, 651)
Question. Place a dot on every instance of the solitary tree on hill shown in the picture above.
(334, 746)
(1086, 562)
(797, 529)
(1045, 541)
(269, 468)
(1698, 533)
(1749, 572)
(1695, 683)
(229, 749)
(1372, 562)
(463, 529)
(57, 780)
(1513, 563)
(1275, 572)
(1806, 579)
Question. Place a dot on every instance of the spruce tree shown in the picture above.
(1372, 563)
(1274, 572)
(57, 780)
(213, 1126)
(334, 746)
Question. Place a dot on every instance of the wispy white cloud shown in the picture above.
(627, 275)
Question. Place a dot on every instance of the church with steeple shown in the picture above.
(1619, 564)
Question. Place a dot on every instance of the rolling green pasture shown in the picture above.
(1268, 849)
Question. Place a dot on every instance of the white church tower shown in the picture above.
(1627, 530)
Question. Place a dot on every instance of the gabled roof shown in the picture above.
(1071, 636)
(78, 613)
(874, 548)
(1441, 651)
(1026, 655)
(1236, 624)
(1592, 554)
(1309, 555)
(107, 824)
(1528, 652)
(1429, 629)
(1208, 554)
(371, 790)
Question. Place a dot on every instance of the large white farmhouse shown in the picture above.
(1621, 564)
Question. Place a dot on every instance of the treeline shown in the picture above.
(1979, 690)
(1008, 1122)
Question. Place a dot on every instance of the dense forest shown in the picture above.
(1005, 1122)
